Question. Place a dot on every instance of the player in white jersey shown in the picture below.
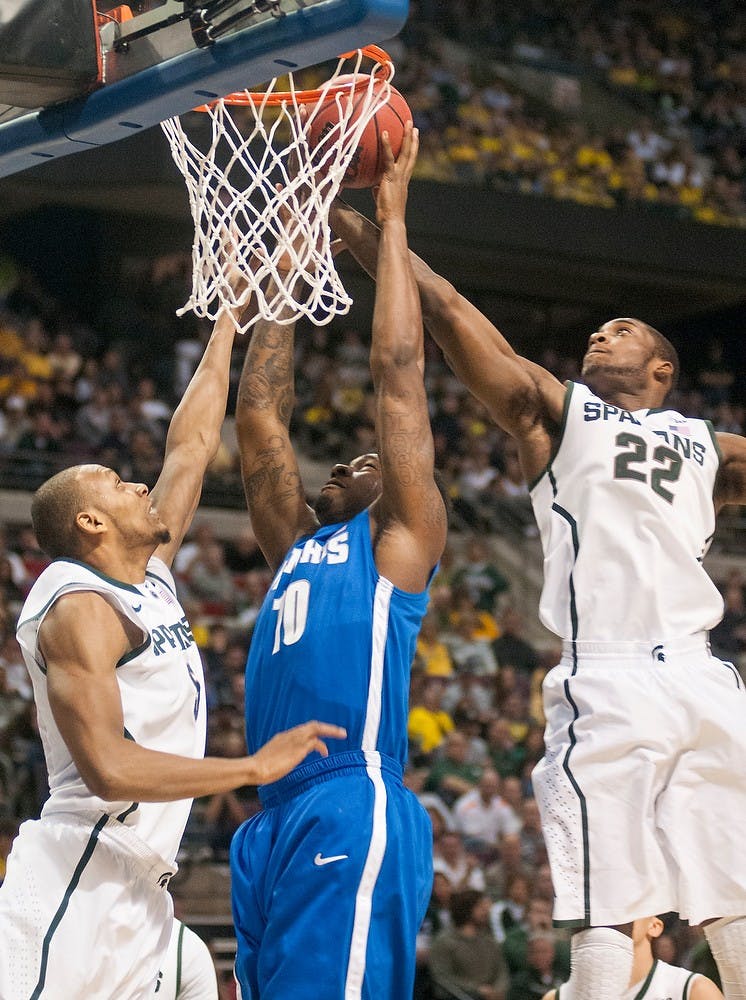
(84, 908)
(642, 789)
(187, 970)
(652, 979)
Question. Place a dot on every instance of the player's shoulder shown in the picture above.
(63, 576)
(702, 988)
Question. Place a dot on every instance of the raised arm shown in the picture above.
(86, 704)
(410, 515)
(520, 395)
(193, 437)
(730, 486)
(269, 467)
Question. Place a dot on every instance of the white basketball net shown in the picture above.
(232, 188)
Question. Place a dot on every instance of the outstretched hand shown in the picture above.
(391, 193)
(286, 750)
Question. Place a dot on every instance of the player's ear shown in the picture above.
(655, 927)
(90, 522)
(662, 371)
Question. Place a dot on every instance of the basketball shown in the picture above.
(366, 166)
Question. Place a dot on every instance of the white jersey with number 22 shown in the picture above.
(625, 512)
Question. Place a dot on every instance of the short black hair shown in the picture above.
(54, 507)
(462, 905)
(665, 350)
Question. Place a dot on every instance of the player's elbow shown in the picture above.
(386, 357)
(105, 779)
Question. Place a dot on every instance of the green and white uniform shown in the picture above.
(643, 785)
(187, 971)
(663, 982)
(625, 515)
(84, 902)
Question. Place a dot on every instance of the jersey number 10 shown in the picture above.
(292, 613)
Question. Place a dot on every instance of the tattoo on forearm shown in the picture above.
(271, 480)
(403, 449)
(267, 379)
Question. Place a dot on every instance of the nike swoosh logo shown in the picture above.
(319, 861)
(136, 609)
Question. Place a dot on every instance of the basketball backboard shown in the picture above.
(162, 61)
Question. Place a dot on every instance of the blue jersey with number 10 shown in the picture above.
(334, 641)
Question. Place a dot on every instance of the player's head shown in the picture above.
(626, 355)
(350, 489)
(83, 507)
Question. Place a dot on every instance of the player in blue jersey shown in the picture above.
(642, 789)
(332, 878)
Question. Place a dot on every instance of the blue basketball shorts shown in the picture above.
(331, 882)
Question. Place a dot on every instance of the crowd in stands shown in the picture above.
(681, 68)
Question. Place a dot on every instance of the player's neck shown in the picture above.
(126, 566)
(642, 963)
(630, 401)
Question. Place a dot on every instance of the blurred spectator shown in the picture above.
(251, 591)
(538, 919)
(428, 723)
(511, 646)
(509, 911)
(451, 775)
(540, 973)
(93, 418)
(26, 547)
(42, 438)
(19, 574)
(470, 654)
(498, 873)
(242, 553)
(14, 422)
(431, 650)
(515, 710)
(210, 581)
(506, 754)
(437, 919)
(199, 538)
(479, 576)
(440, 815)
(145, 458)
(482, 815)
(533, 848)
(225, 811)
(17, 678)
(155, 413)
(460, 866)
(465, 958)
(64, 360)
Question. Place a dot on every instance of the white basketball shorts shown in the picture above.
(80, 914)
(642, 790)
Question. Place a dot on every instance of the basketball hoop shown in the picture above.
(259, 143)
